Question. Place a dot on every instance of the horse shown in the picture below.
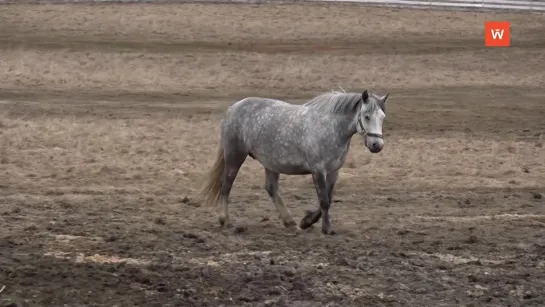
(293, 139)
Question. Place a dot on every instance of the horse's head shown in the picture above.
(370, 118)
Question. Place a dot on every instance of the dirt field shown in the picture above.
(109, 117)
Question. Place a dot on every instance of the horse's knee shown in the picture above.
(270, 188)
(271, 183)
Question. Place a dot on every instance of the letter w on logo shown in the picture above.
(497, 33)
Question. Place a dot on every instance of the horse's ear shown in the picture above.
(382, 102)
(365, 96)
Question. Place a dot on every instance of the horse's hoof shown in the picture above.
(328, 232)
(304, 224)
(308, 214)
(224, 222)
(307, 221)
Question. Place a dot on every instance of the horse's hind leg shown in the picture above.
(233, 162)
(271, 186)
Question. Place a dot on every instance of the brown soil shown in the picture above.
(109, 118)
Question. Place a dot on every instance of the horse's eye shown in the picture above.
(367, 117)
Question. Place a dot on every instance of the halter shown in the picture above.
(364, 132)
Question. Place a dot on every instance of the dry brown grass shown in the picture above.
(232, 72)
(235, 49)
(165, 153)
(270, 23)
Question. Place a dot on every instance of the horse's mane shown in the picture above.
(336, 102)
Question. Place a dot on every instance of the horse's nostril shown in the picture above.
(375, 145)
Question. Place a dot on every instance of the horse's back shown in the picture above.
(255, 111)
(245, 118)
(253, 104)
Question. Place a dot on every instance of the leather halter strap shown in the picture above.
(376, 135)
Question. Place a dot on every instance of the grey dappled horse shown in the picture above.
(290, 139)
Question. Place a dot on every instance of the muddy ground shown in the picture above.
(109, 118)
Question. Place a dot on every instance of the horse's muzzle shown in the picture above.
(374, 142)
(375, 149)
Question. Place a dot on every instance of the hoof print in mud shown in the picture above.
(240, 230)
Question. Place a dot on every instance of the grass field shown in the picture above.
(109, 117)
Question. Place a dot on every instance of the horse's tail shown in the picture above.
(211, 189)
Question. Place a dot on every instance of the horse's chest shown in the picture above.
(336, 161)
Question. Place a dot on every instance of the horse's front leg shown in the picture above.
(323, 189)
(311, 217)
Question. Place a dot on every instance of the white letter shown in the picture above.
(497, 33)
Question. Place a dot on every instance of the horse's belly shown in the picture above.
(289, 169)
(283, 166)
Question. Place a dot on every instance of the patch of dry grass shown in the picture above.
(454, 162)
(231, 72)
(271, 22)
(116, 40)
(159, 153)
(49, 151)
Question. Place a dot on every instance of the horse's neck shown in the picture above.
(352, 124)
(348, 125)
